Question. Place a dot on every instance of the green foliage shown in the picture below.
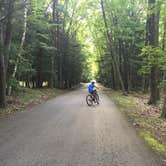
(163, 84)
(15, 85)
(81, 44)
(152, 57)
(41, 49)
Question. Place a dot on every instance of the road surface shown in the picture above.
(66, 132)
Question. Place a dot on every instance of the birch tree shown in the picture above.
(22, 43)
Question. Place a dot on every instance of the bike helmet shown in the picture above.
(93, 81)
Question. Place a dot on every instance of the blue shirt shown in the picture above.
(91, 87)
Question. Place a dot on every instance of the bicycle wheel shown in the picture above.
(89, 100)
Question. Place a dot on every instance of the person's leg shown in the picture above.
(95, 95)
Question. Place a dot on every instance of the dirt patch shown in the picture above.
(152, 115)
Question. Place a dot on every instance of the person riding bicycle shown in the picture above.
(92, 87)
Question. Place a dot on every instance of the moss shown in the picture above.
(31, 94)
(160, 148)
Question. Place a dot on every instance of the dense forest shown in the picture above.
(59, 43)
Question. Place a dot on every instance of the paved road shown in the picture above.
(65, 132)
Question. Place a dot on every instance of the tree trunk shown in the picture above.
(111, 49)
(57, 45)
(21, 45)
(2, 82)
(153, 86)
(145, 84)
(51, 81)
(114, 79)
(125, 68)
(158, 76)
(152, 40)
(2, 70)
(163, 115)
(39, 80)
(5, 42)
(8, 34)
(164, 36)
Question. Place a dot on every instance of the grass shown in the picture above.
(31, 94)
(147, 126)
(160, 148)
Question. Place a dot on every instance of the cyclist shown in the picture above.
(92, 87)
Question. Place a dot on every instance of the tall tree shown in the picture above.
(2, 68)
(5, 43)
(111, 48)
(25, 2)
(152, 40)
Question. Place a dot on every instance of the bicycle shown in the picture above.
(92, 99)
